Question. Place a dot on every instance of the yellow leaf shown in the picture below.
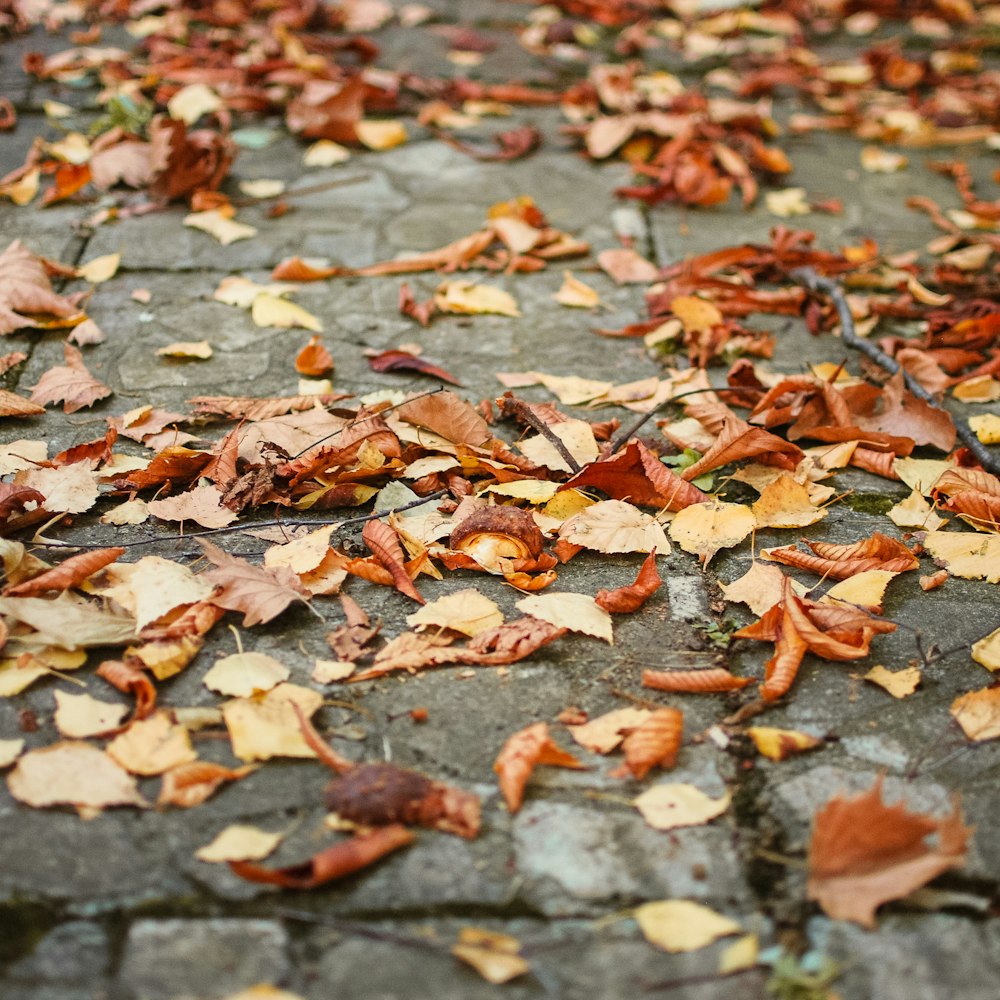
(866, 590)
(494, 956)
(380, 135)
(271, 310)
(915, 512)
(576, 612)
(332, 671)
(241, 292)
(666, 807)
(576, 435)
(787, 202)
(786, 503)
(576, 294)
(704, 528)
(79, 715)
(535, 491)
(10, 750)
(100, 268)
(615, 526)
(224, 229)
(677, 925)
(877, 160)
(759, 588)
(244, 674)
(899, 683)
(152, 746)
(151, 587)
(193, 101)
(972, 557)
(978, 713)
(239, 842)
(325, 153)
(741, 954)
(987, 651)
(266, 726)
(304, 554)
(468, 297)
(573, 390)
(987, 427)
(695, 314)
(200, 349)
(982, 389)
(262, 187)
(263, 991)
(466, 611)
(921, 474)
(22, 191)
(777, 744)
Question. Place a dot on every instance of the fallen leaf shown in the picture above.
(217, 224)
(521, 754)
(273, 310)
(779, 744)
(267, 725)
(978, 713)
(67, 489)
(759, 588)
(154, 586)
(188, 785)
(69, 622)
(607, 731)
(576, 612)
(626, 267)
(787, 202)
(100, 269)
(10, 750)
(69, 573)
(972, 557)
(239, 842)
(615, 526)
(625, 600)
(78, 716)
(678, 925)
(152, 746)
(864, 853)
(704, 528)
(27, 291)
(576, 294)
(667, 807)
(865, 590)
(494, 956)
(244, 674)
(467, 297)
(193, 101)
(655, 742)
(405, 361)
(741, 954)
(705, 681)
(325, 153)
(199, 350)
(70, 384)
(986, 651)
(915, 512)
(899, 683)
(878, 551)
(786, 503)
(466, 611)
(75, 774)
(380, 135)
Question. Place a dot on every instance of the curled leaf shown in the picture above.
(521, 754)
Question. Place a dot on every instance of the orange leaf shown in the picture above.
(129, 680)
(841, 561)
(737, 440)
(864, 853)
(314, 359)
(624, 600)
(519, 756)
(712, 681)
(190, 784)
(655, 742)
(67, 574)
(384, 544)
(337, 861)
(71, 384)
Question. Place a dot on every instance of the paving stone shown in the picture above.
(200, 959)
(72, 962)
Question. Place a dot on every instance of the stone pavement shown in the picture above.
(119, 908)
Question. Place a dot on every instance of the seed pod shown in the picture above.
(499, 533)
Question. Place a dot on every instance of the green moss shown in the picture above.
(870, 503)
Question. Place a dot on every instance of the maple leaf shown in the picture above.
(259, 593)
(71, 384)
(25, 290)
(864, 853)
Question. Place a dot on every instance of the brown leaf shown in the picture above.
(13, 405)
(864, 853)
(184, 162)
(893, 409)
(737, 440)
(68, 573)
(446, 414)
(71, 384)
(384, 544)
(328, 109)
(259, 593)
(521, 754)
(129, 680)
(404, 361)
(337, 861)
(624, 600)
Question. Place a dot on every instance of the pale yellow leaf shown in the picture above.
(152, 746)
(899, 683)
(760, 587)
(14, 678)
(777, 744)
(193, 101)
(10, 750)
(866, 590)
(982, 389)
(915, 512)
(239, 842)
(603, 734)
(786, 503)
(494, 956)
(332, 671)
(272, 310)
(576, 612)
(615, 526)
(224, 229)
(22, 192)
(741, 954)
(198, 349)
(972, 557)
(379, 135)
(668, 806)
(21, 455)
(151, 587)
(79, 715)
(572, 389)
(240, 292)
(302, 555)
(921, 474)
(466, 611)
(263, 991)
(130, 512)
(987, 427)
(787, 202)
(245, 674)
(678, 925)
(986, 651)
(696, 314)
(266, 726)
(704, 528)
(468, 297)
(978, 713)
(576, 435)
(100, 269)
(576, 294)
(325, 153)
(878, 160)
(68, 489)
(75, 774)
(262, 187)
(69, 622)
(535, 491)
(203, 505)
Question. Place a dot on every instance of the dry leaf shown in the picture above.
(603, 734)
(666, 807)
(216, 223)
(239, 842)
(899, 683)
(266, 726)
(655, 742)
(972, 557)
(380, 135)
(199, 350)
(467, 297)
(678, 925)
(986, 651)
(75, 774)
(188, 785)
(615, 526)
(779, 744)
(576, 612)
(100, 269)
(625, 266)
(787, 202)
(70, 384)
(272, 310)
(69, 573)
(576, 294)
(978, 713)
(786, 503)
(625, 600)
(154, 586)
(759, 588)
(10, 750)
(704, 681)
(864, 853)
(244, 674)
(865, 590)
(915, 512)
(704, 528)
(152, 746)
(494, 956)
(521, 754)
(27, 291)
(466, 611)
(78, 716)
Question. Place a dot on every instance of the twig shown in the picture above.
(229, 529)
(624, 434)
(509, 406)
(817, 283)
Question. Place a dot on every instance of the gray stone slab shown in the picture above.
(200, 959)
(72, 962)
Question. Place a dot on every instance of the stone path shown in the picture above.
(119, 908)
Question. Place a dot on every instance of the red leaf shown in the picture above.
(404, 361)
(624, 600)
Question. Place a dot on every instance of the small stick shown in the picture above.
(814, 282)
